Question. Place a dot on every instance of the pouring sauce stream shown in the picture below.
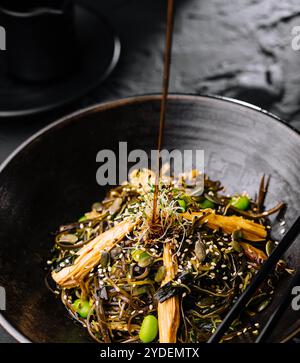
(163, 106)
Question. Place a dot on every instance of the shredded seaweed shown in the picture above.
(188, 268)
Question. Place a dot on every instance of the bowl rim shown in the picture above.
(103, 106)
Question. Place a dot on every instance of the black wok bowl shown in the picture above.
(51, 179)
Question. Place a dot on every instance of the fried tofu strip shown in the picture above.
(251, 231)
(90, 254)
(169, 310)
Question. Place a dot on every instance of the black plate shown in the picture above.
(51, 179)
(100, 54)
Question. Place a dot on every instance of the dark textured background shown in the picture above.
(236, 48)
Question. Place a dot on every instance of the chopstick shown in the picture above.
(295, 330)
(266, 268)
(279, 311)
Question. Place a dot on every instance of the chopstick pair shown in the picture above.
(266, 268)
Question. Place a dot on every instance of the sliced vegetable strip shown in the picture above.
(251, 231)
(89, 255)
(169, 310)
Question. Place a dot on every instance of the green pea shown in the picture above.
(241, 202)
(83, 218)
(149, 329)
(182, 204)
(82, 307)
(207, 204)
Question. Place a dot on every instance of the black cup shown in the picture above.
(40, 39)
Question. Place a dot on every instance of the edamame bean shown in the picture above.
(149, 329)
(82, 307)
(207, 204)
(241, 202)
(182, 204)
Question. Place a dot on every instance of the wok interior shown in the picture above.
(53, 181)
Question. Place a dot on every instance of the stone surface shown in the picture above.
(235, 48)
(238, 49)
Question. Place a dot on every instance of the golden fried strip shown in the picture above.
(251, 231)
(169, 310)
(90, 254)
